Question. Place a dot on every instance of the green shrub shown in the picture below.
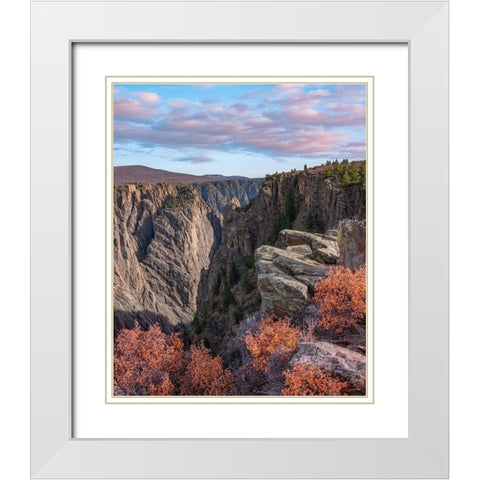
(309, 221)
(289, 207)
(228, 297)
(355, 176)
(233, 276)
(218, 283)
(249, 261)
(198, 324)
(246, 282)
(346, 181)
(238, 314)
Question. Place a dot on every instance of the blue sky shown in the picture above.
(237, 129)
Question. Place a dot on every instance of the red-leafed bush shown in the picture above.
(311, 380)
(205, 375)
(154, 363)
(273, 338)
(148, 362)
(341, 297)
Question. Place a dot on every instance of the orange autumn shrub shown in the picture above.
(163, 387)
(341, 297)
(148, 362)
(277, 338)
(311, 380)
(205, 375)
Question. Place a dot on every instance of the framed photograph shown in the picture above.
(229, 271)
(233, 214)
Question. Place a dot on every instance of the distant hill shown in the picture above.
(220, 177)
(141, 174)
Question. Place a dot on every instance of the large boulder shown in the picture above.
(288, 272)
(333, 358)
(324, 248)
(281, 294)
(296, 264)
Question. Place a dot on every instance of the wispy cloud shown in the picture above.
(287, 120)
(197, 159)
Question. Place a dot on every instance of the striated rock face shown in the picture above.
(220, 193)
(163, 239)
(287, 276)
(352, 237)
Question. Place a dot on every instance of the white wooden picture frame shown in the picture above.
(56, 27)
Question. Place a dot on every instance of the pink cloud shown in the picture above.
(148, 97)
(296, 115)
(309, 144)
(240, 107)
(132, 110)
(356, 108)
(288, 121)
(294, 95)
(348, 94)
(177, 103)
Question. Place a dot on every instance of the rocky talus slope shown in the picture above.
(164, 235)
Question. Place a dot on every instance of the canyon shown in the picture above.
(207, 256)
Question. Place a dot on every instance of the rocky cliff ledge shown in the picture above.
(287, 274)
(312, 203)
